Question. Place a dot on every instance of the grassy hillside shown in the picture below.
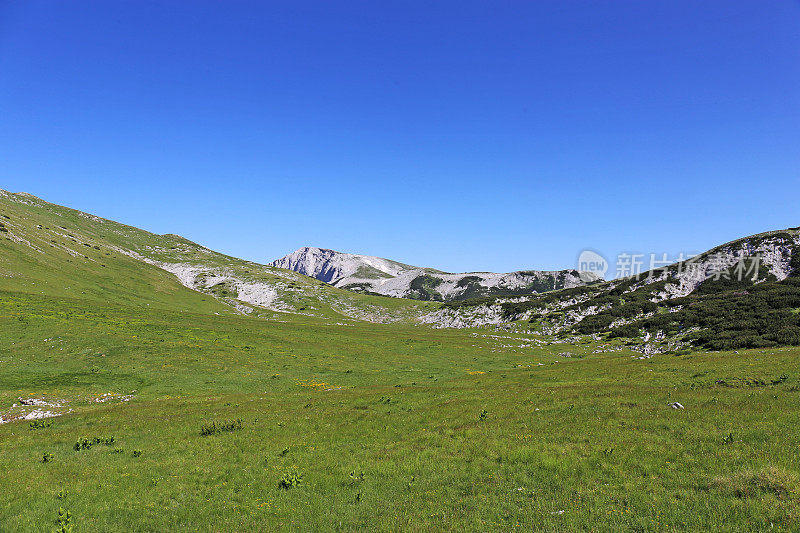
(52, 250)
(178, 412)
(742, 294)
(48, 250)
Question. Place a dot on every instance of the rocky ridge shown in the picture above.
(376, 275)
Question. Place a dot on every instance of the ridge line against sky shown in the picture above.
(463, 136)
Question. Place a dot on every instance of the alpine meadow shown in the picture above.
(399, 266)
(132, 402)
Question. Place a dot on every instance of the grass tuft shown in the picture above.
(756, 483)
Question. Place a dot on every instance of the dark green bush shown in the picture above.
(215, 427)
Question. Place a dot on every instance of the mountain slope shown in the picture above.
(704, 301)
(369, 274)
(56, 251)
(339, 268)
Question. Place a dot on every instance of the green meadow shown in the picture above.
(177, 412)
(182, 421)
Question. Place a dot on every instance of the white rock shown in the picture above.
(391, 278)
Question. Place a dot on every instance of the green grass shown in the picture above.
(591, 435)
(188, 416)
(57, 251)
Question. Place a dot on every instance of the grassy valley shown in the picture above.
(179, 410)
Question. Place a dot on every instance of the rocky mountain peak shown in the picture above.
(370, 274)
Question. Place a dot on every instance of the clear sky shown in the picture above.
(459, 135)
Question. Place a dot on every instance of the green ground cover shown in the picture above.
(178, 413)
(380, 427)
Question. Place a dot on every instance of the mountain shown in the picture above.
(742, 294)
(337, 268)
(56, 251)
(138, 369)
(52, 251)
(376, 275)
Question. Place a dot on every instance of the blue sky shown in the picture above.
(459, 135)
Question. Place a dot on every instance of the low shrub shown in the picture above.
(85, 444)
(63, 524)
(289, 480)
(216, 427)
